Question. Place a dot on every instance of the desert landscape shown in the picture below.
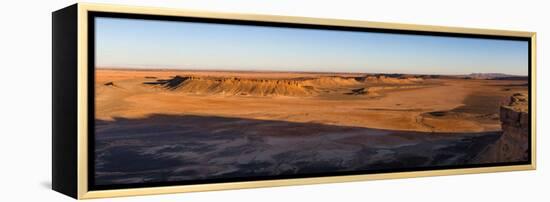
(155, 125)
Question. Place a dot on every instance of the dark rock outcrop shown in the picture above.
(513, 145)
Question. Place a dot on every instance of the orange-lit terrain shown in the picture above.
(192, 125)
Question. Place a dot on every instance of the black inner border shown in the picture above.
(91, 96)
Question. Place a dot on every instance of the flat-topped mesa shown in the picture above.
(392, 79)
(236, 86)
(513, 145)
(300, 86)
(331, 81)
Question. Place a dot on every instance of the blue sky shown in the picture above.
(131, 43)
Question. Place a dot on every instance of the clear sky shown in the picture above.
(131, 43)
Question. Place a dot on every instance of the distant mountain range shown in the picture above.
(492, 76)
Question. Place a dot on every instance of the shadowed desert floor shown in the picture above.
(155, 126)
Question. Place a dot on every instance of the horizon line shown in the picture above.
(285, 71)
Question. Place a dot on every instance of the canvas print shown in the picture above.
(179, 101)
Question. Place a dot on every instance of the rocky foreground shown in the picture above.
(165, 148)
(513, 145)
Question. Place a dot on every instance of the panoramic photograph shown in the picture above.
(188, 101)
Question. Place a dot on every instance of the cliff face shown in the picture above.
(513, 144)
(392, 80)
(236, 86)
(279, 87)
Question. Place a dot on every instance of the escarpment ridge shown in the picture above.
(300, 86)
(235, 86)
(513, 145)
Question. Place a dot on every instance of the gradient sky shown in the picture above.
(131, 43)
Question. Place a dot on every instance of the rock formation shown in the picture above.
(513, 145)
(302, 86)
(382, 79)
(236, 86)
